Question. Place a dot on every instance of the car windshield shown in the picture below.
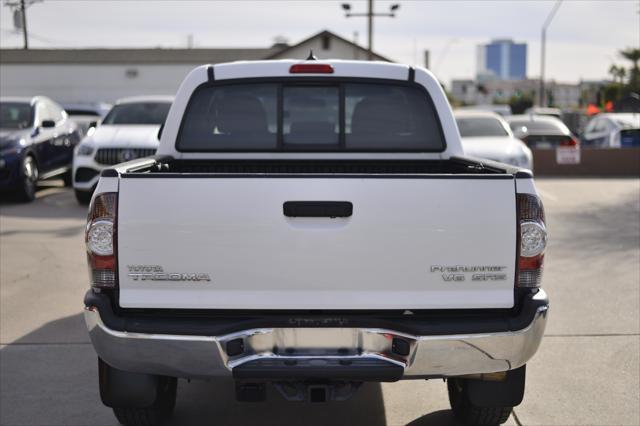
(330, 116)
(138, 113)
(540, 126)
(480, 127)
(15, 115)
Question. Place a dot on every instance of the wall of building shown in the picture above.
(517, 61)
(80, 83)
(503, 59)
(89, 82)
(562, 95)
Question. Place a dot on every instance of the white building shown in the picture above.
(104, 75)
(473, 92)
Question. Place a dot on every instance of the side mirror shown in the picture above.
(47, 124)
(93, 124)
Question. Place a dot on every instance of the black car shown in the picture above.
(541, 131)
(36, 142)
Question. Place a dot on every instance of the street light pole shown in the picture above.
(370, 28)
(543, 48)
(370, 15)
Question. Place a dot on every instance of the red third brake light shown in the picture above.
(311, 69)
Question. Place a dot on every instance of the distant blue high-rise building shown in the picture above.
(503, 59)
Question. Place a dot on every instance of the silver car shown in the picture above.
(612, 130)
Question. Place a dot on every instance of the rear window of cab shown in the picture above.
(342, 116)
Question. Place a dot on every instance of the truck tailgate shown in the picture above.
(224, 242)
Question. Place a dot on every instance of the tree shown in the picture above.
(520, 102)
(617, 73)
(633, 55)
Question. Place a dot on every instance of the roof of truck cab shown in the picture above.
(280, 68)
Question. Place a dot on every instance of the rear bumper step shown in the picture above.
(339, 353)
(361, 369)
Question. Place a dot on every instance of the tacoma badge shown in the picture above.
(156, 273)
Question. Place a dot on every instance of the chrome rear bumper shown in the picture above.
(428, 356)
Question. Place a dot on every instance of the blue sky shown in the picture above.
(583, 39)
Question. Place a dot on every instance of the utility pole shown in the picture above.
(19, 8)
(370, 15)
(547, 22)
(23, 11)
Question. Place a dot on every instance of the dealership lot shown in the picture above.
(586, 372)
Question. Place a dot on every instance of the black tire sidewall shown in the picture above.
(27, 187)
(83, 197)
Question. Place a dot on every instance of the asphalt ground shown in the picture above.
(586, 371)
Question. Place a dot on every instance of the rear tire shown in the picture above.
(83, 197)
(158, 413)
(28, 179)
(470, 414)
(67, 178)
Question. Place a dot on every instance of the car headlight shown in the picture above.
(85, 149)
(14, 147)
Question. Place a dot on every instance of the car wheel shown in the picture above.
(158, 413)
(28, 179)
(83, 197)
(469, 413)
(67, 177)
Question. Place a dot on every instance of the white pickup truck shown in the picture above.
(314, 225)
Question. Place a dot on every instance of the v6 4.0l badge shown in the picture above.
(478, 273)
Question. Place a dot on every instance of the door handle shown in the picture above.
(330, 209)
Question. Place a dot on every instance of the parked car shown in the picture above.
(612, 130)
(129, 131)
(487, 135)
(36, 142)
(501, 109)
(314, 225)
(540, 131)
(86, 116)
(550, 112)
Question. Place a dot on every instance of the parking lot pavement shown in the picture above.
(586, 372)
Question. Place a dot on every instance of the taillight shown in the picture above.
(311, 69)
(100, 238)
(569, 141)
(532, 238)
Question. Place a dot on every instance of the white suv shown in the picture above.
(129, 131)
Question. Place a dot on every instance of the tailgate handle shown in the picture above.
(317, 209)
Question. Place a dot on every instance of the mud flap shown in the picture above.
(122, 389)
(507, 393)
